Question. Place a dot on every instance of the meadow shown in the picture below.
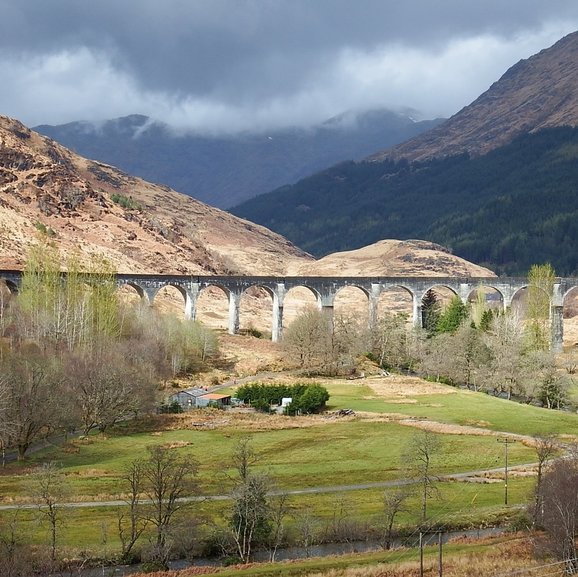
(324, 453)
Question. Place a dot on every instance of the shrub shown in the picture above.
(171, 408)
(41, 227)
(253, 332)
(307, 398)
(125, 201)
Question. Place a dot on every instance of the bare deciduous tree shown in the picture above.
(244, 457)
(423, 447)
(546, 447)
(104, 388)
(279, 508)
(12, 561)
(323, 344)
(503, 373)
(250, 516)
(166, 479)
(394, 503)
(560, 510)
(255, 517)
(133, 523)
(48, 488)
(307, 527)
(306, 337)
(6, 425)
(34, 406)
(469, 353)
(389, 340)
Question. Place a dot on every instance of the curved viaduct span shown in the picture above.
(326, 288)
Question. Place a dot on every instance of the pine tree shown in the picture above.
(430, 312)
(451, 319)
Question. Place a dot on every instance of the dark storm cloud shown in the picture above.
(213, 64)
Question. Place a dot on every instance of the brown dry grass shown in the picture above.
(400, 386)
(498, 558)
(451, 429)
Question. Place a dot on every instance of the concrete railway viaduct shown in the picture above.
(325, 290)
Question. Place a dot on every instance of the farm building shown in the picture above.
(213, 399)
(187, 398)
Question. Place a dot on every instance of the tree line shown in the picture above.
(474, 345)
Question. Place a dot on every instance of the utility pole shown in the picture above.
(506, 441)
(420, 554)
(440, 558)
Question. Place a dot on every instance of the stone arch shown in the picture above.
(10, 285)
(212, 306)
(442, 291)
(8, 290)
(297, 299)
(443, 294)
(351, 301)
(492, 296)
(518, 302)
(570, 316)
(174, 299)
(131, 294)
(570, 302)
(394, 299)
(256, 309)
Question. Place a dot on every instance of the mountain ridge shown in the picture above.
(495, 182)
(224, 171)
(535, 93)
(51, 195)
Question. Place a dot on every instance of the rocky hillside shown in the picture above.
(49, 193)
(392, 258)
(540, 92)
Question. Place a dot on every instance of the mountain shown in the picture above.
(536, 93)
(224, 171)
(391, 258)
(495, 183)
(48, 193)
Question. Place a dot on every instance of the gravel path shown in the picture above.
(305, 491)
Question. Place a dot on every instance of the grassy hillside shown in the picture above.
(508, 209)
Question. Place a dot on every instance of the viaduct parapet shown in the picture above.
(325, 290)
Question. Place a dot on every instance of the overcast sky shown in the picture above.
(230, 65)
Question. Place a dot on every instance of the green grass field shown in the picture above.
(462, 408)
(330, 452)
(457, 505)
(336, 453)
